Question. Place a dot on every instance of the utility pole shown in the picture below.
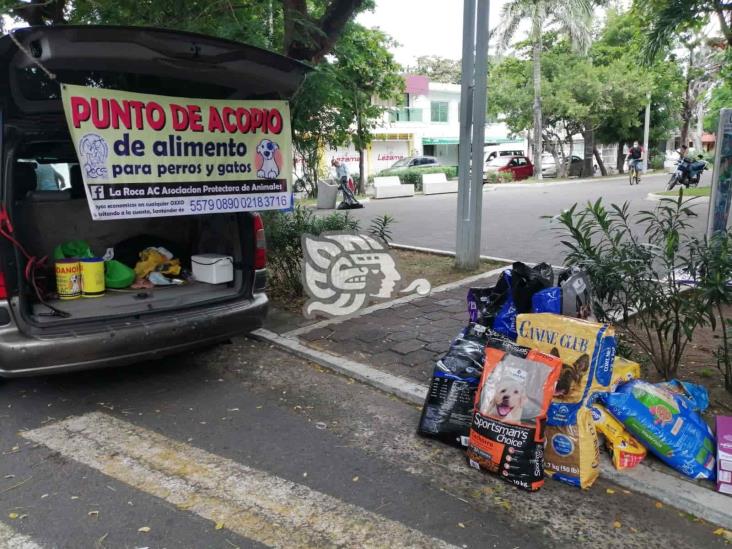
(472, 121)
(646, 128)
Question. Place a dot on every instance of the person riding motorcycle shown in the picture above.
(635, 158)
(688, 171)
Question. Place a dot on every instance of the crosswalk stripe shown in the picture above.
(247, 501)
(10, 539)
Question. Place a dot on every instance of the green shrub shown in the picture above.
(284, 246)
(498, 177)
(380, 227)
(657, 162)
(633, 261)
(414, 175)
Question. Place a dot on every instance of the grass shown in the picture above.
(437, 269)
(697, 191)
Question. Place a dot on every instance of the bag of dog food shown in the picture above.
(576, 294)
(448, 408)
(484, 303)
(623, 371)
(697, 395)
(664, 422)
(548, 300)
(626, 451)
(587, 351)
(506, 435)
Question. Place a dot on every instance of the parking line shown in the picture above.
(250, 502)
(10, 539)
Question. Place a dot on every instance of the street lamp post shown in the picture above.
(472, 121)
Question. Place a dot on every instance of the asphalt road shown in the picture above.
(241, 445)
(512, 225)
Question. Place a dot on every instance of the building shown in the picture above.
(427, 123)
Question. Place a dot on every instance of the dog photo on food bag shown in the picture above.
(571, 376)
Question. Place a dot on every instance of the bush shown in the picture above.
(498, 177)
(380, 227)
(284, 246)
(656, 162)
(633, 261)
(414, 175)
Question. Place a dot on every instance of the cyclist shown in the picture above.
(635, 159)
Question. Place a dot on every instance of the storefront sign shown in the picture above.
(149, 156)
(721, 194)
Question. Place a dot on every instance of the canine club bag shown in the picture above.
(587, 351)
(506, 436)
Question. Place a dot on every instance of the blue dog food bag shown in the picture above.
(665, 423)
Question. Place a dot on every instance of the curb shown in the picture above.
(658, 197)
(671, 490)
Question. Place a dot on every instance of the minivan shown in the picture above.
(43, 202)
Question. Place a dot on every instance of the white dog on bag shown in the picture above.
(266, 150)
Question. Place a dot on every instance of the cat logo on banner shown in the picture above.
(149, 156)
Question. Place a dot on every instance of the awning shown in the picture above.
(456, 140)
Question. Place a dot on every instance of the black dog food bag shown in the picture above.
(448, 408)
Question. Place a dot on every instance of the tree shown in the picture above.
(370, 78)
(438, 69)
(621, 43)
(304, 30)
(570, 17)
(721, 95)
(665, 19)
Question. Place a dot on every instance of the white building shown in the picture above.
(427, 123)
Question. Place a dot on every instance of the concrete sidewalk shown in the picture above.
(393, 346)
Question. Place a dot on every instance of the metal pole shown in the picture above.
(721, 193)
(646, 128)
(464, 152)
(479, 108)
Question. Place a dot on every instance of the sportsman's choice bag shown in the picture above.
(587, 352)
(448, 407)
(507, 432)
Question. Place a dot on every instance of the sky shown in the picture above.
(424, 27)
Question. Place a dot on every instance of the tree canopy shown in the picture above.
(438, 69)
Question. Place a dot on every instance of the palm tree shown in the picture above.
(572, 18)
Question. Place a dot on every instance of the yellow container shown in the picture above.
(92, 277)
(68, 278)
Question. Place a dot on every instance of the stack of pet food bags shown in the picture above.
(492, 395)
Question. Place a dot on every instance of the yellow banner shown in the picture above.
(150, 155)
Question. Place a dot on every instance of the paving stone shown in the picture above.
(438, 346)
(449, 323)
(436, 315)
(404, 347)
(448, 302)
(385, 358)
(403, 335)
(319, 333)
(420, 356)
(344, 333)
(371, 335)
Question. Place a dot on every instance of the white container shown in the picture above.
(213, 268)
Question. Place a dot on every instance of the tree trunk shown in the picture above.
(361, 158)
(536, 59)
(600, 163)
(620, 158)
(589, 138)
(686, 113)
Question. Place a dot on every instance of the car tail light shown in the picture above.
(3, 288)
(260, 242)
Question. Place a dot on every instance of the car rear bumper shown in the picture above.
(78, 348)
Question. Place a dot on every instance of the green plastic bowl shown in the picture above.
(118, 275)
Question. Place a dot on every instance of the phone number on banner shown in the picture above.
(213, 204)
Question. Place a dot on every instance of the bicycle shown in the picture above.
(634, 173)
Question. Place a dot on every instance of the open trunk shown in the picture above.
(45, 219)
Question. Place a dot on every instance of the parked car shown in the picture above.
(490, 155)
(519, 166)
(549, 168)
(415, 162)
(122, 326)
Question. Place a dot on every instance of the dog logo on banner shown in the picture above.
(343, 272)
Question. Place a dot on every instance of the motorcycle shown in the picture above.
(688, 173)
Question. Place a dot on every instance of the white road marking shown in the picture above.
(10, 539)
(249, 502)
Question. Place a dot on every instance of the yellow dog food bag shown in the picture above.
(623, 371)
(627, 452)
(587, 351)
